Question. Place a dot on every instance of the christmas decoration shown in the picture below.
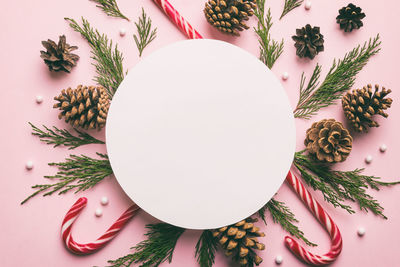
(308, 41)
(110, 7)
(329, 141)
(240, 240)
(84, 106)
(350, 18)
(146, 35)
(289, 6)
(58, 57)
(361, 105)
(229, 16)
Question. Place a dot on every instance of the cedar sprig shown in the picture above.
(270, 49)
(338, 186)
(339, 79)
(145, 32)
(58, 137)
(282, 215)
(108, 59)
(157, 248)
(289, 6)
(77, 173)
(110, 7)
(206, 248)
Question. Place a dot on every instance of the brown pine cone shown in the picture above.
(84, 106)
(350, 17)
(240, 240)
(328, 141)
(308, 41)
(361, 105)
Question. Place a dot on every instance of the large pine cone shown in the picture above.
(58, 57)
(308, 41)
(350, 18)
(228, 16)
(84, 106)
(328, 141)
(239, 241)
(362, 104)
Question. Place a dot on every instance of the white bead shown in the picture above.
(307, 5)
(361, 231)
(122, 32)
(98, 212)
(29, 165)
(368, 159)
(39, 99)
(278, 259)
(104, 201)
(285, 76)
(383, 148)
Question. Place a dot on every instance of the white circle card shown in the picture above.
(200, 134)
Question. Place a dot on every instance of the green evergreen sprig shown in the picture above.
(289, 6)
(338, 186)
(77, 173)
(282, 215)
(339, 79)
(110, 7)
(146, 34)
(157, 248)
(58, 137)
(206, 248)
(108, 59)
(270, 49)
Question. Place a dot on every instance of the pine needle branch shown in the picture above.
(284, 216)
(289, 6)
(110, 7)
(77, 173)
(206, 248)
(146, 34)
(157, 248)
(339, 79)
(270, 50)
(58, 137)
(109, 69)
(338, 186)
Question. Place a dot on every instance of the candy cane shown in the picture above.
(323, 218)
(88, 248)
(177, 19)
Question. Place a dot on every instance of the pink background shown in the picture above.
(31, 233)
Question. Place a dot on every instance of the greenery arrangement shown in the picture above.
(289, 6)
(206, 248)
(145, 32)
(110, 7)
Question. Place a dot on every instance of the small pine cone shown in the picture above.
(84, 106)
(58, 57)
(240, 240)
(308, 41)
(361, 105)
(228, 16)
(350, 18)
(328, 141)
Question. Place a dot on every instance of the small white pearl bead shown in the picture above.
(104, 201)
(383, 148)
(307, 5)
(29, 165)
(122, 32)
(368, 159)
(39, 99)
(361, 231)
(278, 259)
(98, 212)
(285, 76)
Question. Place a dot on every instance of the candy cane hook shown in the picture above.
(88, 248)
(323, 218)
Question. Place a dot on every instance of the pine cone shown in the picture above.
(84, 106)
(308, 41)
(58, 56)
(328, 141)
(240, 240)
(228, 16)
(360, 105)
(350, 18)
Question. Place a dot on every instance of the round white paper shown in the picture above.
(200, 134)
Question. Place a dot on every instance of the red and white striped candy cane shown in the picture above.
(323, 218)
(179, 21)
(88, 248)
